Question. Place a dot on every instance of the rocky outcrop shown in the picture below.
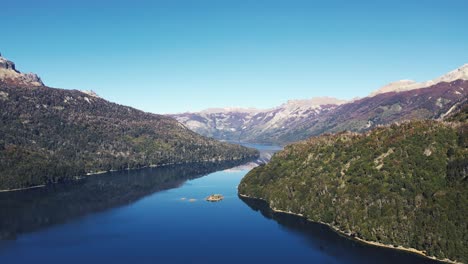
(7, 65)
(214, 198)
(9, 74)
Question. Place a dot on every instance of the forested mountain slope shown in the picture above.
(403, 184)
(49, 135)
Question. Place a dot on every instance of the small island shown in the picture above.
(214, 198)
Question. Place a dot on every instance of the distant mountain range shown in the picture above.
(300, 119)
(50, 135)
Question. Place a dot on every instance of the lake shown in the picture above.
(146, 216)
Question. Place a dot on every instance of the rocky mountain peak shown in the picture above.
(397, 86)
(460, 73)
(325, 100)
(313, 102)
(6, 64)
(9, 74)
(249, 110)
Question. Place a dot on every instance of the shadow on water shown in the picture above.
(322, 238)
(34, 209)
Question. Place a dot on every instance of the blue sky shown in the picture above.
(175, 56)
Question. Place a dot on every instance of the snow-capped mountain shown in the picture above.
(300, 119)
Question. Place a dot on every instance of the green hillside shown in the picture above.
(398, 185)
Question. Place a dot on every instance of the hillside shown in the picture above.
(404, 184)
(49, 135)
(300, 119)
(367, 113)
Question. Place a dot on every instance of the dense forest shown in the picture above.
(50, 135)
(403, 184)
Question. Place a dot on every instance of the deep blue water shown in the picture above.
(140, 217)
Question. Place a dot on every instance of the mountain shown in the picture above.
(406, 85)
(300, 119)
(402, 185)
(364, 114)
(49, 135)
(254, 125)
(10, 75)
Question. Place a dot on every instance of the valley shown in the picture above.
(50, 135)
(251, 132)
(299, 119)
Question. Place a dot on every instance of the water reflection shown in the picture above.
(322, 238)
(31, 210)
(266, 153)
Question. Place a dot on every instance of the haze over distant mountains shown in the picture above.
(300, 119)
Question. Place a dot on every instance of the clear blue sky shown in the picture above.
(175, 56)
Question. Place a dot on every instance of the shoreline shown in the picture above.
(151, 166)
(346, 235)
(23, 189)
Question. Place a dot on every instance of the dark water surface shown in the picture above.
(141, 217)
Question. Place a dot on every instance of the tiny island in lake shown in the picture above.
(214, 198)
